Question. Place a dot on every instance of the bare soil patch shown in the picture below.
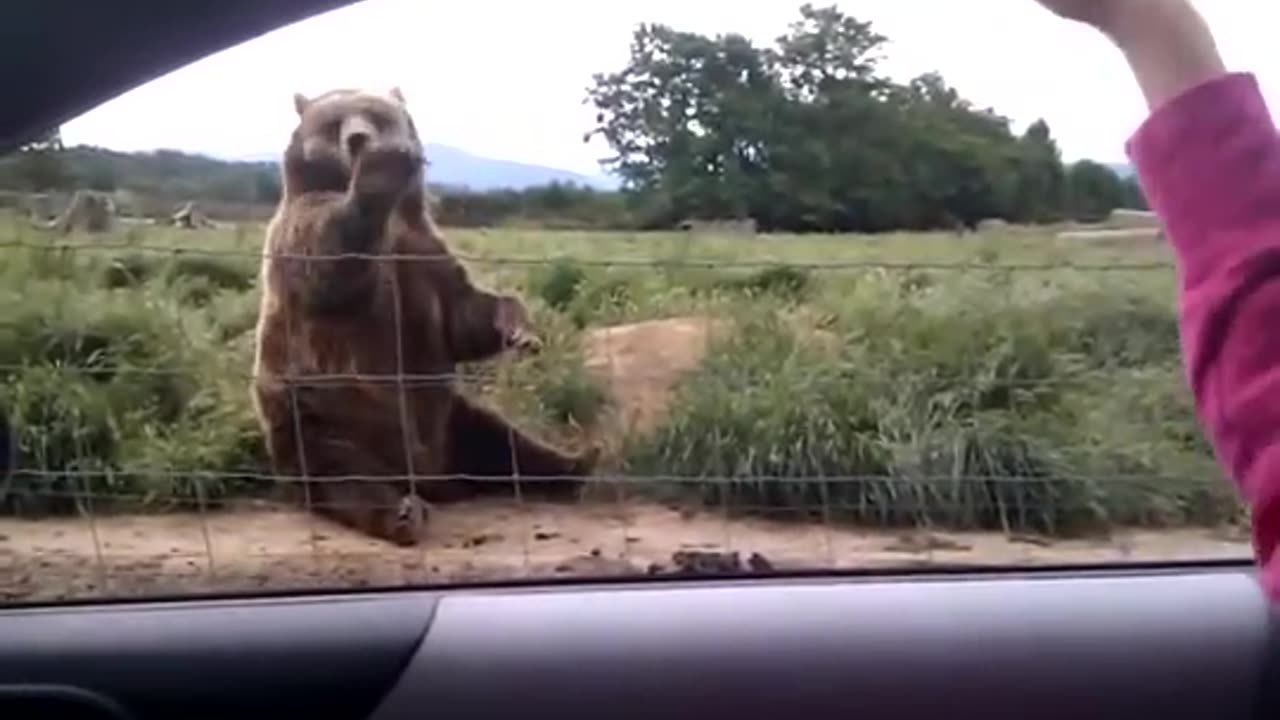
(274, 549)
(642, 362)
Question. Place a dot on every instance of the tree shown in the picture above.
(826, 52)
(1134, 196)
(808, 135)
(1093, 191)
(687, 119)
(1041, 179)
(266, 186)
(39, 166)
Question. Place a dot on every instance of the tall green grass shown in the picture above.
(1046, 399)
(970, 413)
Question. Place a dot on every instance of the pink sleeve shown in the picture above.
(1209, 162)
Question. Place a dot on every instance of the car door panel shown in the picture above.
(314, 657)
(1096, 644)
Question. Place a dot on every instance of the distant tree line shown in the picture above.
(810, 135)
(48, 166)
(555, 205)
(45, 165)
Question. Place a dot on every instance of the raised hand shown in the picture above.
(1103, 14)
(1167, 42)
(1093, 12)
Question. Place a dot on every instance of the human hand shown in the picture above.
(1167, 43)
(1112, 16)
(1090, 12)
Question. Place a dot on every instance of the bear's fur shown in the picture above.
(355, 355)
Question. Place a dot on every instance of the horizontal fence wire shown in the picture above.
(969, 421)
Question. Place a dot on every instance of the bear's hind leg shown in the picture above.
(376, 508)
(344, 485)
(485, 444)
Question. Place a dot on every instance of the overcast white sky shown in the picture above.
(507, 78)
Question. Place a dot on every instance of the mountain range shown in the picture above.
(454, 167)
(457, 168)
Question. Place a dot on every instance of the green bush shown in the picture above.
(218, 272)
(1121, 328)
(67, 438)
(604, 298)
(129, 271)
(554, 388)
(558, 284)
(116, 395)
(782, 281)
(197, 278)
(940, 415)
(571, 397)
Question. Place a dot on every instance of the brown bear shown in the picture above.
(364, 316)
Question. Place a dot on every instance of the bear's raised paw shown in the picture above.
(385, 172)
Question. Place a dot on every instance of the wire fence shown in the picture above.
(688, 408)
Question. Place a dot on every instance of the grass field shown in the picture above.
(1008, 382)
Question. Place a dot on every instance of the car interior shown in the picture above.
(1125, 640)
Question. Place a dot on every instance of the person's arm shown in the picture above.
(1168, 46)
(1208, 158)
(1209, 161)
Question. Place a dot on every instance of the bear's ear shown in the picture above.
(300, 102)
(397, 95)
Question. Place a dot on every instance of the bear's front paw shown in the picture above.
(385, 172)
(524, 342)
(511, 320)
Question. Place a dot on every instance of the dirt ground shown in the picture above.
(272, 548)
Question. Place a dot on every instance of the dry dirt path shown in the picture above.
(249, 550)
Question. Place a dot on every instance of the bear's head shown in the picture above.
(334, 128)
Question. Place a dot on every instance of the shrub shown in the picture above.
(67, 438)
(128, 271)
(111, 392)
(570, 396)
(603, 299)
(558, 284)
(196, 278)
(553, 388)
(782, 281)
(933, 415)
(217, 272)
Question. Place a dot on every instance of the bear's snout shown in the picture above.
(356, 142)
(356, 134)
